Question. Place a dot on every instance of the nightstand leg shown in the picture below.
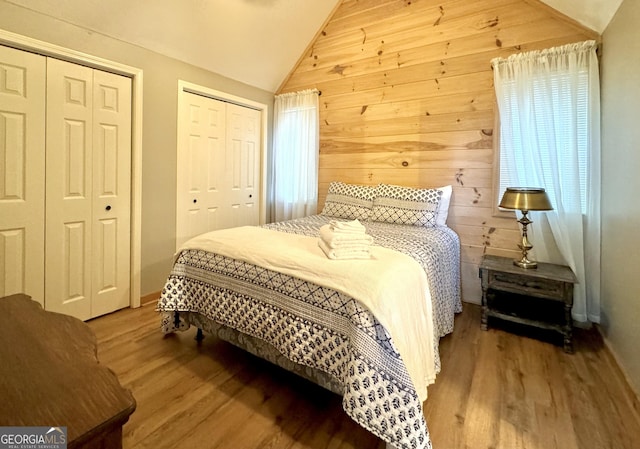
(568, 345)
(568, 328)
(485, 311)
(484, 276)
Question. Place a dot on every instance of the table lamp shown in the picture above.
(525, 199)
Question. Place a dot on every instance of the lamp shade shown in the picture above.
(525, 198)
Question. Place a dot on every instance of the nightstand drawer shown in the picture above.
(524, 284)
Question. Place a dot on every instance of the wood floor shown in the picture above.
(497, 390)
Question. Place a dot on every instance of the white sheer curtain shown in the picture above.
(549, 103)
(295, 147)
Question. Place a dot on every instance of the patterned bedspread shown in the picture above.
(319, 327)
(436, 249)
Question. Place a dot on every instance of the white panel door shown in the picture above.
(22, 170)
(69, 188)
(111, 215)
(88, 165)
(243, 156)
(218, 163)
(201, 175)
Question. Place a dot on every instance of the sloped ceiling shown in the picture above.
(257, 42)
(594, 14)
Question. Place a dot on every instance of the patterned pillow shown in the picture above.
(349, 201)
(405, 205)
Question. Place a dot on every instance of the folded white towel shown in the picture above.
(348, 247)
(335, 239)
(344, 253)
(353, 226)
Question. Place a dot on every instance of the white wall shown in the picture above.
(621, 188)
(159, 129)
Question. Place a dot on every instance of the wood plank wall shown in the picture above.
(407, 98)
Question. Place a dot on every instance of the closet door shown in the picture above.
(201, 166)
(88, 142)
(218, 166)
(243, 164)
(22, 128)
(111, 225)
(69, 188)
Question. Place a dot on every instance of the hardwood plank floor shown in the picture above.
(497, 390)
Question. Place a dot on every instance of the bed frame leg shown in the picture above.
(199, 335)
(176, 319)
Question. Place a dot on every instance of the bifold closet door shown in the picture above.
(111, 286)
(243, 155)
(88, 179)
(201, 168)
(22, 172)
(218, 166)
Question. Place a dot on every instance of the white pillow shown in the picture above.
(443, 208)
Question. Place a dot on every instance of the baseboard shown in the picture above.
(632, 394)
(151, 298)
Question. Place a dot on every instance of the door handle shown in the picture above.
(108, 208)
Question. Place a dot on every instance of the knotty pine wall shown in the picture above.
(407, 98)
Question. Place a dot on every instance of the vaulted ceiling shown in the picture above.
(594, 14)
(253, 41)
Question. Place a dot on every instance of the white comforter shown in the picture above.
(391, 284)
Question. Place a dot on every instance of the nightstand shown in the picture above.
(541, 297)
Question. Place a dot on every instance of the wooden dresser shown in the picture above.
(50, 376)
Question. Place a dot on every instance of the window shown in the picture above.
(549, 104)
(295, 148)
(557, 113)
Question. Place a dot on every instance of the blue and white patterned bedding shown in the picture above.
(321, 328)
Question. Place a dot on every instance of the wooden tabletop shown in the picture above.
(544, 270)
(50, 374)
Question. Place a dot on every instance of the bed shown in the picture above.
(271, 291)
